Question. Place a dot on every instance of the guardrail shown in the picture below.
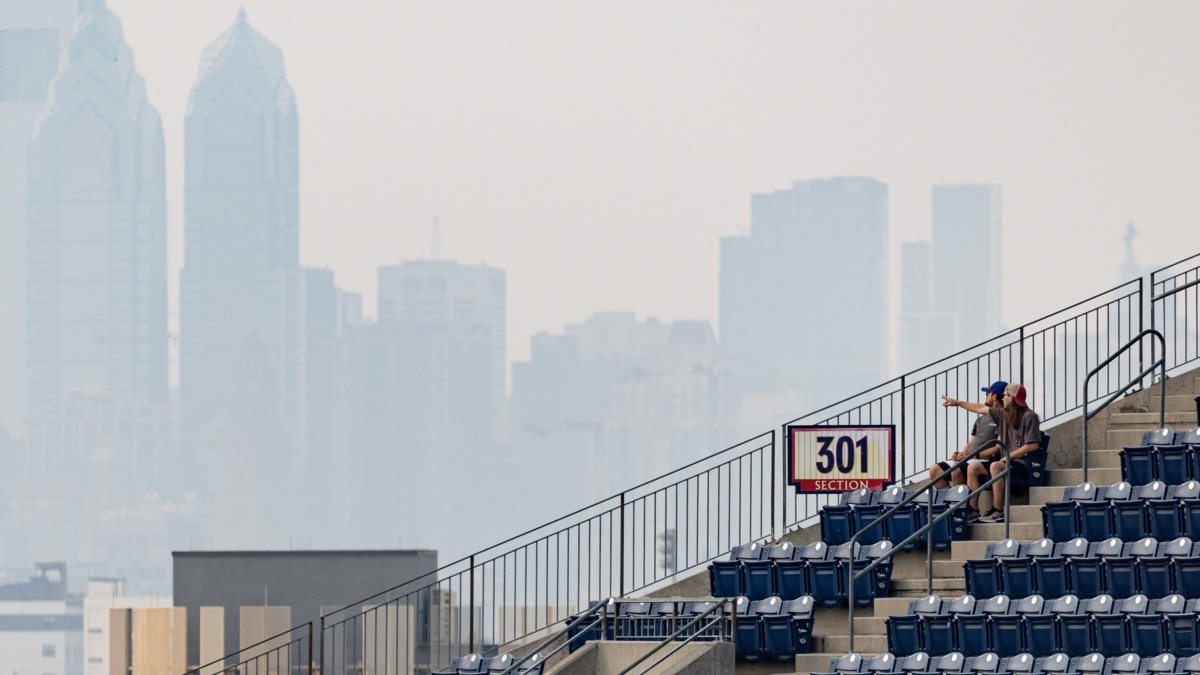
(1160, 363)
(1175, 309)
(524, 585)
(288, 653)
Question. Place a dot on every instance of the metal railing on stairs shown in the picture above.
(527, 583)
(1160, 363)
(931, 521)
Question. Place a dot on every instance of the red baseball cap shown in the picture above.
(1017, 392)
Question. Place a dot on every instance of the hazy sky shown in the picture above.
(598, 151)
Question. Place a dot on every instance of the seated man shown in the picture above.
(1020, 432)
(982, 432)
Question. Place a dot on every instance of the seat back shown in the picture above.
(1163, 436)
(1163, 663)
(1020, 663)
(1188, 490)
(987, 662)
(1008, 548)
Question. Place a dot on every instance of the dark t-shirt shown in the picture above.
(1029, 431)
(984, 431)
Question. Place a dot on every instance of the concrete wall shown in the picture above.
(605, 658)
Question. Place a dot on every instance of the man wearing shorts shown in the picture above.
(984, 431)
(1020, 432)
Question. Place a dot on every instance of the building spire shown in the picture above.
(241, 15)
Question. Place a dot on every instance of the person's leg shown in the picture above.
(998, 487)
(975, 477)
(935, 470)
(959, 477)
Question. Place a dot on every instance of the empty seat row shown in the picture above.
(789, 571)
(1167, 455)
(649, 620)
(1123, 510)
(860, 508)
(1087, 569)
(1040, 627)
(476, 663)
(773, 627)
(1021, 664)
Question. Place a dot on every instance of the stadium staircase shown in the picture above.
(1124, 426)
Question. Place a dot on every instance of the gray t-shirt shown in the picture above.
(1030, 430)
(985, 430)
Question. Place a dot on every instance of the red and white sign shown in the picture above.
(840, 459)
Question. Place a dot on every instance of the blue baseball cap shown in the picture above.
(997, 388)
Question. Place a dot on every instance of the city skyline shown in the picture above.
(632, 135)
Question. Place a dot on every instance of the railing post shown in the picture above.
(310, 647)
(774, 532)
(471, 608)
(903, 413)
(1021, 354)
(621, 552)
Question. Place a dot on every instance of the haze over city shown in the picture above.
(442, 256)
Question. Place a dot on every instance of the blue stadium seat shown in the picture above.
(758, 579)
(903, 523)
(938, 630)
(1054, 663)
(1016, 574)
(1189, 507)
(1121, 573)
(1036, 463)
(904, 631)
(1043, 634)
(1187, 574)
(1008, 630)
(801, 610)
(939, 532)
(725, 576)
(876, 583)
(1113, 631)
(1077, 631)
(1163, 436)
(865, 514)
(845, 664)
(1127, 664)
(1174, 464)
(982, 664)
(1156, 575)
(1090, 664)
(468, 663)
(1166, 516)
(837, 524)
(1086, 573)
(791, 576)
(1019, 663)
(631, 619)
(1137, 464)
(747, 637)
(882, 663)
(1191, 664)
(1160, 665)
(954, 662)
(1051, 575)
(1183, 629)
(1096, 517)
(827, 577)
(957, 495)
(1061, 520)
(913, 663)
(777, 632)
(973, 632)
(1149, 632)
(982, 574)
(691, 610)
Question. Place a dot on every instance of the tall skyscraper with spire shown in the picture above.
(32, 35)
(239, 382)
(96, 276)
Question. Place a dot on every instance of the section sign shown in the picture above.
(839, 459)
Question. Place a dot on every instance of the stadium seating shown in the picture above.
(790, 571)
(471, 664)
(773, 627)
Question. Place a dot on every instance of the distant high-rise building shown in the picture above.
(966, 259)
(32, 35)
(240, 310)
(96, 239)
(803, 297)
(96, 290)
(925, 335)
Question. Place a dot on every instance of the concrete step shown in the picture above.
(814, 662)
(1066, 477)
(941, 568)
(1043, 494)
(1119, 438)
(965, 550)
(995, 531)
(912, 563)
(1026, 513)
(1175, 403)
(955, 585)
(885, 607)
(841, 643)
(1103, 459)
(838, 625)
(1178, 419)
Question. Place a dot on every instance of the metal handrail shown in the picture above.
(1162, 394)
(931, 522)
(720, 606)
(260, 643)
(597, 611)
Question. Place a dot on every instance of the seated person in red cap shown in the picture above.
(1020, 432)
(984, 431)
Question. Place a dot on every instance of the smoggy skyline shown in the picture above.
(599, 153)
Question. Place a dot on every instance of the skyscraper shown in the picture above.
(240, 282)
(32, 35)
(96, 273)
(966, 259)
(803, 297)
